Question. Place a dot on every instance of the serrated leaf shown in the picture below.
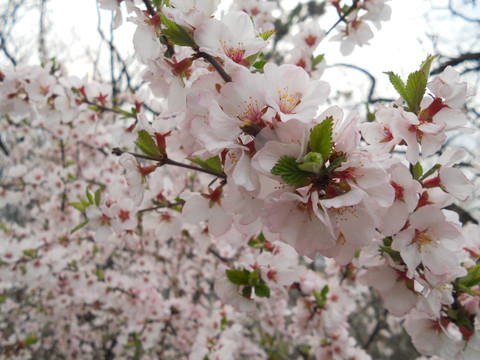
(425, 67)
(321, 140)
(213, 163)
(266, 34)
(177, 34)
(79, 226)
(97, 197)
(287, 168)
(416, 86)
(238, 277)
(148, 145)
(262, 291)
(417, 171)
(397, 83)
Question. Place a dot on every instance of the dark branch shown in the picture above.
(215, 64)
(454, 61)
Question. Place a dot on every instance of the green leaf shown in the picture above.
(430, 172)
(89, 196)
(416, 86)
(97, 197)
(99, 274)
(247, 291)
(253, 278)
(266, 34)
(321, 140)
(262, 291)
(335, 163)
(395, 255)
(79, 206)
(397, 83)
(213, 163)
(287, 168)
(30, 340)
(79, 226)
(317, 60)
(177, 34)
(370, 115)
(147, 145)
(472, 278)
(238, 277)
(417, 171)
(258, 65)
(321, 297)
(425, 67)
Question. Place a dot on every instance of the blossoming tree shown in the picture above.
(227, 210)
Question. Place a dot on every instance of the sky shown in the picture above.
(400, 46)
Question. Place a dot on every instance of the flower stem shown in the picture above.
(166, 161)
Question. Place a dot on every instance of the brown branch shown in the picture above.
(150, 8)
(166, 161)
(216, 65)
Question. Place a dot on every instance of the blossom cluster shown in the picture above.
(142, 257)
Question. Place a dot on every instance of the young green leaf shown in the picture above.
(416, 86)
(317, 60)
(321, 138)
(312, 162)
(238, 277)
(287, 168)
(472, 278)
(417, 171)
(177, 34)
(266, 34)
(97, 197)
(397, 83)
(262, 291)
(213, 163)
(147, 145)
(79, 206)
(79, 226)
(89, 196)
(335, 163)
(425, 67)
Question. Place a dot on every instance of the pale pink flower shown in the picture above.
(431, 240)
(355, 32)
(407, 193)
(292, 93)
(233, 37)
(432, 337)
(113, 5)
(191, 13)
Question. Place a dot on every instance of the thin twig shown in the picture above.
(343, 17)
